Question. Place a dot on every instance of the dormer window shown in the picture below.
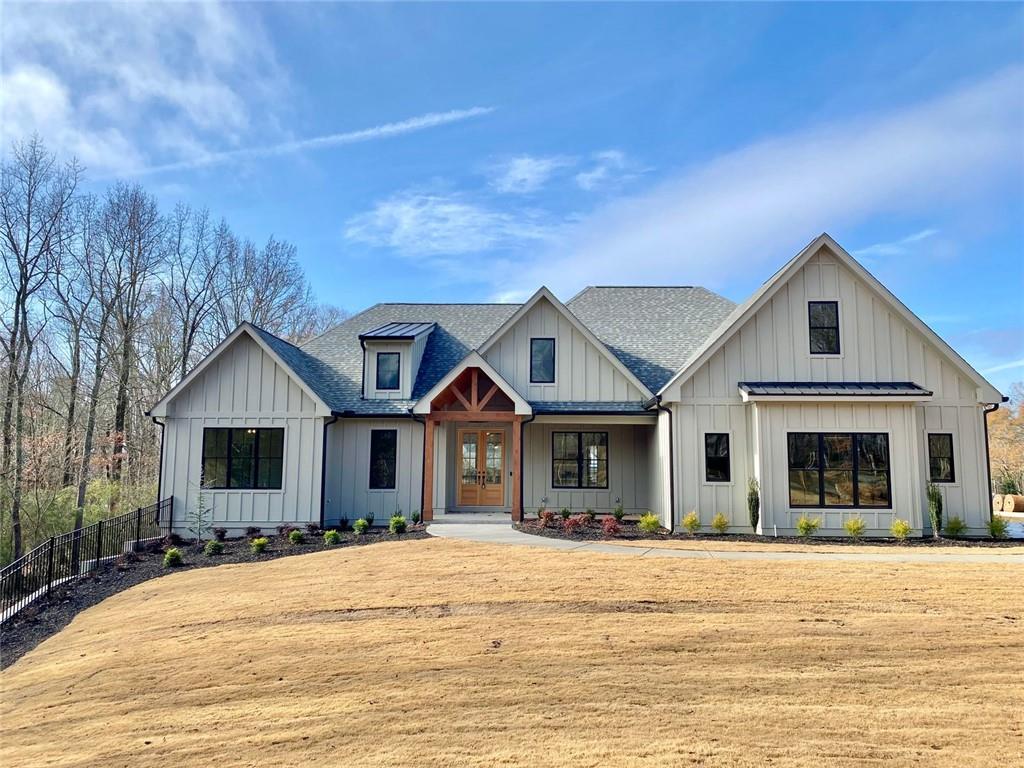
(823, 327)
(389, 367)
(542, 361)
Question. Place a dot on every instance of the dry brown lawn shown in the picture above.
(442, 653)
(1014, 553)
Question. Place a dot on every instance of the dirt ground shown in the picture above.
(446, 653)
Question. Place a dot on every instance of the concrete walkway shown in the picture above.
(504, 533)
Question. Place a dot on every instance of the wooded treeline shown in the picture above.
(108, 301)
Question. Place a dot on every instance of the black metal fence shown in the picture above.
(65, 557)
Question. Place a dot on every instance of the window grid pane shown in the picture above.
(839, 470)
(823, 327)
(243, 458)
(383, 458)
(542, 361)
(940, 458)
(716, 458)
(579, 459)
(388, 368)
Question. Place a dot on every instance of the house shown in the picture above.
(822, 386)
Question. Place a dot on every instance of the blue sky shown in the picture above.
(472, 152)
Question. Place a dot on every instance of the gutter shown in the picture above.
(656, 402)
(522, 459)
(323, 466)
(988, 463)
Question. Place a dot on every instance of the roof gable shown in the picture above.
(764, 295)
(473, 360)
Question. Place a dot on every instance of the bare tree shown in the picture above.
(35, 194)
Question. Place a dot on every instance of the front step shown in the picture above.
(473, 518)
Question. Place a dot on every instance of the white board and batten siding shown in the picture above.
(582, 371)
(347, 481)
(244, 387)
(876, 344)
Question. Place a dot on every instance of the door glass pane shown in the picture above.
(469, 443)
(495, 460)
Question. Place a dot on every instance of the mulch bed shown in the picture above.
(44, 618)
(630, 532)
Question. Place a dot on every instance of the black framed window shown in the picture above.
(579, 459)
(940, 458)
(542, 361)
(389, 365)
(383, 458)
(716, 457)
(823, 327)
(839, 469)
(240, 458)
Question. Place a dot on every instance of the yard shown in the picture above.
(438, 652)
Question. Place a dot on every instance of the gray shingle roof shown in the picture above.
(652, 330)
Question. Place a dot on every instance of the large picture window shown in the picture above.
(579, 460)
(839, 470)
(716, 457)
(940, 458)
(383, 458)
(823, 327)
(243, 457)
(542, 361)
(389, 364)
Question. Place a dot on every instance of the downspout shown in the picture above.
(422, 420)
(988, 464)
(323, 466)
(362, 378)
(160, 467)
(522, 459)
(656, 401)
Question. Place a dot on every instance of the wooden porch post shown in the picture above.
(517, 485)
(428, 470)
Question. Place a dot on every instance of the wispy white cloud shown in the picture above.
(896, 247)
(383, 131)
(526, 173)
(419, 225)
(761, 202)
(608, 168)
(1005, 367)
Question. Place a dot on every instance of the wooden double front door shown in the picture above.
(481, 468)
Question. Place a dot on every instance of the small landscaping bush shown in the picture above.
(691, 522)
(649, 523)
(397, 524)
(253, 532)
(998, 527)
(610, 527)
(220, 533)
(753, 502)
(313, 529)
(331, 538)
(590, 515)
(361, 526)
(618, 513)
(900, 529)
(855, 527)
(565, 513)
(369, 519)
(342, 523)
(955, 527)
(296, 537)
(720, 523)
(213, 548)
(547, 518)
(259, 545)
(284, 529)
(935, 508)
(573, 524)
(173, 558)
(808, 526)
(416, 517)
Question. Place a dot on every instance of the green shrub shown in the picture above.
(900, 529)
(935, 508)
(361, 526)
(998, 527)
(173, 558)
(397, 524)
(416, 517)
(368, 517)
(808, 526)
(720, 523)
(855, 527)
(331, 538)
(213, 548)
(565, 513)
(296, 537)
(618, 513)
(753, 502)
(692, 521)
(259, 544)
(590, 515)
(649, 523)
(955, 527)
